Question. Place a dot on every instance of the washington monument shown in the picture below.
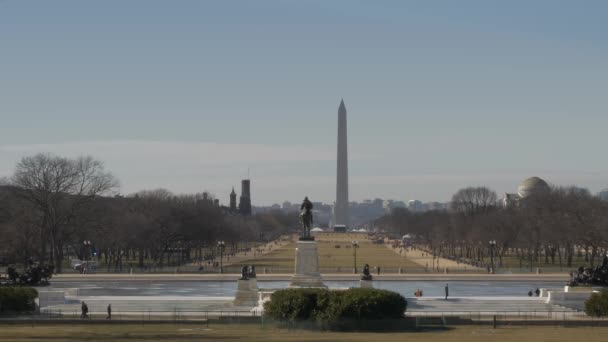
(341, 215)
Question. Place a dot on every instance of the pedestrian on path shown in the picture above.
(447, 291)
(84, 309)
(109, 312)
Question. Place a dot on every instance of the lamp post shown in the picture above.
(355, 246)
(492, 248)
(221, 245)
(86, 244)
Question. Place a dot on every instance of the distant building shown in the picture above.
(416, 206)
(387, 205)
(233, 201)
(436, 206)
(206, 199)
(245, 200)
(399, 204)
(603, 195)
(339, 228)
(528, 187)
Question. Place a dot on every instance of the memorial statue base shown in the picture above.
(247, 293)
(366, 284)
(307, 265)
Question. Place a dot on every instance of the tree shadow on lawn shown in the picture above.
(405, 325)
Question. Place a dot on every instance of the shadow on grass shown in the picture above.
(404, 325)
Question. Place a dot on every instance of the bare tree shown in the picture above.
(474, 200)
(59, 188)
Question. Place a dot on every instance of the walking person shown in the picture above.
(84, 310)
(109, 312)
(447, 291)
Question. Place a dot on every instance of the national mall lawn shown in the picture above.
(336, 251)
(256, 332)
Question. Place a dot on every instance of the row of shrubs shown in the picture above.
(17, 299)
(329, 307)
(597, 304)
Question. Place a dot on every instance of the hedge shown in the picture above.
(597, 304)
(17, 299)
(333, 306)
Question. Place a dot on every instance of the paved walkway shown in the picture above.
(151, 306)
(522, 307)
(332, 277)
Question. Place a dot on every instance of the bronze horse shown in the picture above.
(306, 217)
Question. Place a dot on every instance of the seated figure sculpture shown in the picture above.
(244, 273)
(247, 272)
(590, 276)
(35, 274)
(366, 275)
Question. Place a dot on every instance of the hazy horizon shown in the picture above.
(189, 95)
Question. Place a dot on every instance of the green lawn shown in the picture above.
(513, 262)
(255, 332)
(336, 251)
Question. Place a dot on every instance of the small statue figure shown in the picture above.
(35, 274)
(306, 217)
(590, 276)
(244, 273)
(13, 275)
(252, 271)
(366, 275)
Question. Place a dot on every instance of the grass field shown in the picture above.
(336, 251)
(254, 332)
(513, 262)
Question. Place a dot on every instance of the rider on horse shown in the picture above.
(306, 215)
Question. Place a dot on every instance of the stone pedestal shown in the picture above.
(247, 293)
(307, 266)
(366, 284)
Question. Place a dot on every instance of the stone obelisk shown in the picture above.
(341, 214)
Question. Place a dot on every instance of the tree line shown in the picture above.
(52, 206)
(560, 226)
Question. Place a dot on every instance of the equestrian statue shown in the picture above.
(306, 218)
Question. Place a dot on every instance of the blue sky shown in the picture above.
(188, 95)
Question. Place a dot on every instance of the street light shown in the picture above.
(492, 247)
(355, 246)
(221, 245)
(87, 244)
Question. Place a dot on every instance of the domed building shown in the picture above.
(528, 187)
(531, 186)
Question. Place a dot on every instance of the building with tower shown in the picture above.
(233, 208)
(341, 210)
(245, 200)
